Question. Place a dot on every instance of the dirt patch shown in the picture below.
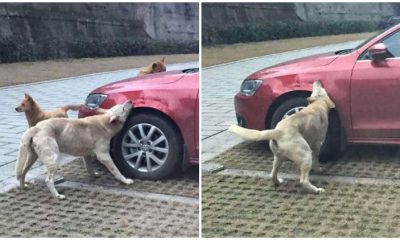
(34, 213)
(29, 72)
(356, 161)
(186, 184)
(253, 207)
(227, 53)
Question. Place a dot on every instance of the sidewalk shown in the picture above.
(220, 84)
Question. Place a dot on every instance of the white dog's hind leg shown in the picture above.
(32, 157)
(106, 160)
(275, 167)
(47, 150)
(305, 168)
(88, 161)
(316, 166)
(51, 163)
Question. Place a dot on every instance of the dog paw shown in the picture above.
(128, 181)
(320, 190)
(277, 181)
(28, 185)
(317, 170)
(94, 174)
(60, 196)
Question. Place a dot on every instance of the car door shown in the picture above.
(375, 98)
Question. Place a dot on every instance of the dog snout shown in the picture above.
(16, 109)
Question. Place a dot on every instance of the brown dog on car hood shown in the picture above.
(155, 67)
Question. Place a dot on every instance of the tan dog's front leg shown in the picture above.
(316, 166)
(106, 160)
(88, 161)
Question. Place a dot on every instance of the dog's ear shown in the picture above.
(330, 103)
(100, 110)
(114, 120)
(311, 99)
(162, 59)
(154, 66)
(28, 97)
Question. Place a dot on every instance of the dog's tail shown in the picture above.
(25, 151)
(255, 135)
(71, 107)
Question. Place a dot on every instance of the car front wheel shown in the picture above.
(330, 147)
(148, 147)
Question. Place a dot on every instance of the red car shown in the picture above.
(161, 135)
(364, 83)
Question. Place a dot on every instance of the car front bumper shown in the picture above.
(251, 111)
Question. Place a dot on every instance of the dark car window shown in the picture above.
(393, 45)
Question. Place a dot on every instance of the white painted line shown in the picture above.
(130, 192)
(328, 178)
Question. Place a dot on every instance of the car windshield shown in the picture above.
(346, 51)
(369, 39)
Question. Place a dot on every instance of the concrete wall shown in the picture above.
(215, 14)
(33, 22)
(345, 11)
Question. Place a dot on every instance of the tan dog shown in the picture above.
(155, 67)
(35, 114)
(77, 137)
(297, 137)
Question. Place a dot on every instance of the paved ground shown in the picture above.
(95, 207)
(219, 85)
(362, 188)
(49, 94)
(240, 200)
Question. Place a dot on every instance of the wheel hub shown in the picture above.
(145, 147)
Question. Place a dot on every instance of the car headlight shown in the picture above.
(95, 100)
(249, 87)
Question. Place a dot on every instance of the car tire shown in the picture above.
(124, 146)
(330, 149)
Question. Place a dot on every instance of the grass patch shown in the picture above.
(29, 72)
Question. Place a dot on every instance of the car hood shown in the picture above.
(141, 82)
(296, 65)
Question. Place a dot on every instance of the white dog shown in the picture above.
(297, 137)
(78, 137)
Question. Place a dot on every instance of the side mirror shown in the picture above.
(378, 52)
